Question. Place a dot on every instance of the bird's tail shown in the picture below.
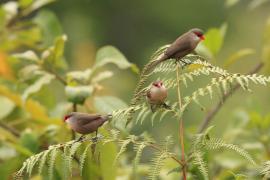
(154, 63)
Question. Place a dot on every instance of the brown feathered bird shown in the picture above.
(182, 46)
(84, 123)
(156, 95)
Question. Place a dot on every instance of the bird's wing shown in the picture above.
(179, 45)
(86, 119)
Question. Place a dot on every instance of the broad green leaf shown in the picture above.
(6, 107)
(109, 54)
(38, 84)
(214, 38)
(238, 56)
(78, 94)
(80, 77)
(28, 55)
(53, 56)
(107, 104)
(50, 26)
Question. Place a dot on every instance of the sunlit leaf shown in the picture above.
(109, 54)
(214, 38)
(78, 94)
(37, 112)
(25, 3)
(59, 47)
(6, 107)
(5, 69)
(238, 56)
(37, 85)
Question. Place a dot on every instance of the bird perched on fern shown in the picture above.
(84, 123)
(182, 46)
(156, 96)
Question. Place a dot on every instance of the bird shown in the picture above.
(156, 95)
(84, 123)
(182, 46)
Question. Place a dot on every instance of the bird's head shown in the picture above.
(199, 33)
(66, 117)
(157, 84)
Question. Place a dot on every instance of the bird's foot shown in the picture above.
(166, 106)
(80, 138)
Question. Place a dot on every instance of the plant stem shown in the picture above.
(10, 129)
(210, 115)
(74, 109)
(181, 127)
(153, 146)
(62, 80)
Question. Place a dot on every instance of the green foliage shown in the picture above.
(33, 46)
(214, 39)
(110, 54)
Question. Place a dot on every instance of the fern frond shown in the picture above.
(53, 155)
(157, 163)
(123, 148)
(65, 162)
(83, 157)
(215, 143)
(221, 83)
(202, 166)
(31, 163)
(72, 152)
(138, 148)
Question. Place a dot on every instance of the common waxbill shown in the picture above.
(84, 123)
(183, 45)
(156, 95)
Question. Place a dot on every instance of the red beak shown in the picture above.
(202, 37)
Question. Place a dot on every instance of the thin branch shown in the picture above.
(10, 129)
(62, 80)
(153, 146)
(181, 127)
(219, 105)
